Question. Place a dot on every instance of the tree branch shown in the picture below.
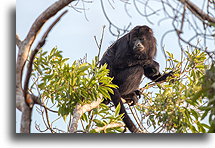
(197, 11)
(24, 48)
(45, 16)
(79, 111)
(18, 41)
(111, 125)
(34, 30)
(35, 51)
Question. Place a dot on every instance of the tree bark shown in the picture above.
(23, 53)
(79, 111)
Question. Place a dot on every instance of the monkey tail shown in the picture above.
(116, 98)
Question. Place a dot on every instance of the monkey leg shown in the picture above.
(116, 98)
(132, 98)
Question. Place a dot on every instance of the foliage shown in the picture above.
(68, 84)
(181, 104)
(208, 90)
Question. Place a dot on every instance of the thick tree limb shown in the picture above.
(111, 125)
(41, 20)
(197, 11)
(24, 48)
(18, 41)
(35, 51)
(79, 111)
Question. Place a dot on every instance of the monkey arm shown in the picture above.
(151, 71)
(159, 77)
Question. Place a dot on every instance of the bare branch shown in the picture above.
(18, 41)
(79, 111)
(197, 11)
(99, 45)
(45, 16)
(111, 125)
(120, 31)
(35, 51)
(24, 48)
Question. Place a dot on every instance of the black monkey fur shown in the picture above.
(128, 59)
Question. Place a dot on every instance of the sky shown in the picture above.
(74, 34)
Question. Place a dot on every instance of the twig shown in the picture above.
(48, 121)
(99, 45)
(113, 25)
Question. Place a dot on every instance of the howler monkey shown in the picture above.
(128, 59)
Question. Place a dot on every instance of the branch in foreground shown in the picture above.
(79, 111)
(111, 125)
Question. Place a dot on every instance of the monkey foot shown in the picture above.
(132, 98)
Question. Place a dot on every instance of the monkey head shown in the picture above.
(142, 42)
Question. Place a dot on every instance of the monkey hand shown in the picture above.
(164, 76)
(138, 93)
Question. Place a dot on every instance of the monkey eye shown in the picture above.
(142, 39)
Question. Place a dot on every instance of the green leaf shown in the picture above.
(193, 129)
(119, 129)
(64, 117)
(99, 123)
(169, 54)
(117, 109)
(204, 114)
(195, 114)
(104, 92)
(205, 125)
(200, 66)
(85, 118)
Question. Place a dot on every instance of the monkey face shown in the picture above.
(142, 42)
(138, 45)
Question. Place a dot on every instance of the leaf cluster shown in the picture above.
(68, 84)
(176, 105)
